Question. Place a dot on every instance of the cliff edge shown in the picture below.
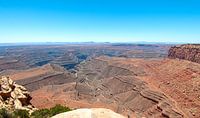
(189, 52)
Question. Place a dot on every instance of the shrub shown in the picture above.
(47, 113)
(5, 114)
(20, 114)
(42, 113)
(58, 109)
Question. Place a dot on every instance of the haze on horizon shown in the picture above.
(99, 21)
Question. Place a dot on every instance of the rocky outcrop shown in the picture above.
(14, 96)
(189, 52)
(89, 113)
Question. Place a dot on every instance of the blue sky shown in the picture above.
(99, 20)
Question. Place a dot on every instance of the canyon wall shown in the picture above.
(189, 52)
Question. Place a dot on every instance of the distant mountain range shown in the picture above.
(63, 43)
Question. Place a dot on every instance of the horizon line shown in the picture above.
(143, 42)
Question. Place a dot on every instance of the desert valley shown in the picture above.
(134, 80)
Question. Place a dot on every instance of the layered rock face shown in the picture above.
(14, 96)
(89, 113)
(117, 82)
(35, 78)
(114, 83)
(189, 52)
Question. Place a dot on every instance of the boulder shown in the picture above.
(89, 113)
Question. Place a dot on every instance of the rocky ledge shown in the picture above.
(189, 52)
(14, 96)
(89, 113)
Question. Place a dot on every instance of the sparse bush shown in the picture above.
(47, 113)
(20, 114)
(58, 109)
(5, 114)
(42, 113)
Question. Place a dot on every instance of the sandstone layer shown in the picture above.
(35, 78)
(189, 52)
(14, 96)
(89, 113)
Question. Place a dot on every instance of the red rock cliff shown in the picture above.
(189, 52)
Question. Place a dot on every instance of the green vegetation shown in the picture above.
(42, 113)
(5, 114)
(20, 114)
(16, 114)
(58, 109)
(46, 113)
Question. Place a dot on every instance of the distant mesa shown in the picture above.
(189, 52)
